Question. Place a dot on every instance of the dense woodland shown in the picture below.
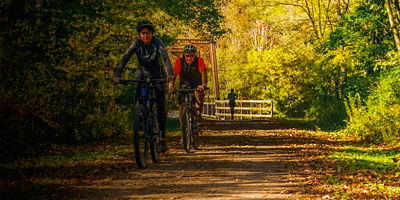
(334, 62)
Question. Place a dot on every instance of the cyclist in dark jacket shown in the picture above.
(149, 50)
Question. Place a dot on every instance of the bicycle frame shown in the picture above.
(190, 99)
(148, 99)
(189, 120)
(145, 120)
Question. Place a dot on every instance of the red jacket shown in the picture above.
(177, 68)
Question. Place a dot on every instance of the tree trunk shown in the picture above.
(393, 24)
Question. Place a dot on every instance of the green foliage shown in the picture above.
(283, 76)
(379, 120)
(349, 63)
(310, 67)
(365, 33)
(290, 70)
(275, 74)
(329, 82)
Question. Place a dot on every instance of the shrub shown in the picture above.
(379, 120)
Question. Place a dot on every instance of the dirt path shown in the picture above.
(236, 160)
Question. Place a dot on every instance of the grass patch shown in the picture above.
(62, 156)
(358, 158)
(41, 177)
(364, 173)
(347, 168)
(173, 126)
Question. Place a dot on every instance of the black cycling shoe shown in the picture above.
(163, 146)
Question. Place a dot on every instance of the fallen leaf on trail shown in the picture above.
(74, 181)
(166, 174)
(326, 197)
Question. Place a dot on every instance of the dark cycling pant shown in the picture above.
(160, 100)
(232, 105)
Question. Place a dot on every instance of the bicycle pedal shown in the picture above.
(162, 147)
(158, 149)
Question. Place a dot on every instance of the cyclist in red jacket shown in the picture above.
(192, 72)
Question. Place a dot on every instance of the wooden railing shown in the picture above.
(244, 109)
(209, 107)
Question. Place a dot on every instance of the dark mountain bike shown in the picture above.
(191, 125)
(146, 129)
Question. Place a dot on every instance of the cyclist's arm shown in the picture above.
(126, 57)
(177, 70)
(204, 78)
(203, 71)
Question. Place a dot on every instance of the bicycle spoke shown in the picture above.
(141, 143)
(154, 144)
(186, 129)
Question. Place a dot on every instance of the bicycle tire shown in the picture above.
(195, 135)
(154, 144)
(140, 141)
(186, 129)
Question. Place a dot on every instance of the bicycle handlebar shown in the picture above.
(125, 82)
(190, 89)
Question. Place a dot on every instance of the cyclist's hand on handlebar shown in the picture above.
(200, 88)
(170, 78)
(171, 88)
(116, 79)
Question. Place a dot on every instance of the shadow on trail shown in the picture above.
(250, 125)
(201, 175)
(235, 160)
(282, 132)
(243, 140)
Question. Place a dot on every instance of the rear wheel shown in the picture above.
(186, 129)
(154, 144)
(140, 142)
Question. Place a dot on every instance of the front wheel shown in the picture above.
(140, 141)
(195, 135)
(155, 142)
(187, 129)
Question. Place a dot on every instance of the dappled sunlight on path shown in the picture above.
(235, 160)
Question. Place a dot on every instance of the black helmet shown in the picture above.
(190, 49)
(144, 24)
